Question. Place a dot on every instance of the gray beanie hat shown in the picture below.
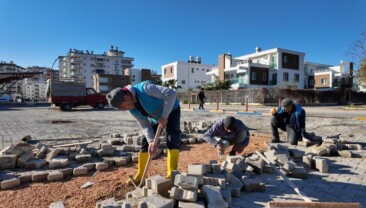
(287, 102)
(229, 122)
(115, 97)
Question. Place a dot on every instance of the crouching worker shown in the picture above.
(147, 101)
(290, 118)
(226, 132)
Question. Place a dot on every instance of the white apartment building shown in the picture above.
(328, 77)
(189, 75)
(139, 75)
(80, 66)
(275, 67)
(35, 88)
(12, 88)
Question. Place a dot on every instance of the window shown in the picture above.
(254, 76)
(297, 78)
(232, 75)
(197, 69)
(192, 70)
(208, 70)
(264, 77)
(203, 69)
(285, 59)
(312, 82)
(183, 81)
(133, 76)
(164, 71)
(115, 67)
(171, 70)
(324, 81)
(285, 76)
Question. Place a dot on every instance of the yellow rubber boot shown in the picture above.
(172, 162)
(141, 164)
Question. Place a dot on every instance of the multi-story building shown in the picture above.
(13, 88)
(333, 77)
(188, 75)
(35, 88)
(104, 83)
(139, 75)
(80, 66)
(275, 67)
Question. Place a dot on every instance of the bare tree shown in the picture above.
(357, 53)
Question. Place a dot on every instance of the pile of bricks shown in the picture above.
(204, 185)
(41, 163)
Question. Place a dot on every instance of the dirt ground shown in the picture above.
(110, 183)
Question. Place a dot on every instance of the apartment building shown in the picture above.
(35, 88)
(275, 67)
(333, 77)
(13, 88)
(104, 83)
(80, 66)
(189, 75)
(139, 75)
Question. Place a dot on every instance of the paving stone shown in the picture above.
(345, 153)
(216, 169)
(108, 203)
(89, 166)
(251, 185)
(72, 155)
(128, 148)
(215, 180)
(256, 164)
(105, 146)
(234, 184)
(35, 164)
(159, 185)
(281, 159)
(108, 152)
(135, 194)
(80, 171)
(67, 172)
(234, 168)
(192, 140)
(199, 169)
(197, 176)
(186, 182)
(26, 156)
(289, 166)
(53, 153)
(25, 178)
(299, 172)
(213, 197)
(296, 153)
(233, 159)
(267, 168)
(12, 159)
(174, 174)
(109, 160)
(308, 162)
(321, 165)
(199, 204)
(82, 158)
(11, 183)
(83, 151)
(155, 201)
(39, 176)
(226, 195)
(58, 204)
(55, 176)
(184, 195)
(319, 150)
(59, 162)
(101, 166)
(354, 146)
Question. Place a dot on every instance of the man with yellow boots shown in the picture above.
(151, 105)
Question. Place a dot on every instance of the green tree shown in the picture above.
(218, 85)
(172, 84)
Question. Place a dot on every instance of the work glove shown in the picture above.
(304, 134)
(273, 111)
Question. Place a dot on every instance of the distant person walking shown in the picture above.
(202, 97)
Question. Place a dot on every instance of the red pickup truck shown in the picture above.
(67, 95)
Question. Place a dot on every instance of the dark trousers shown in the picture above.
(201, 104)
(293, 135)
(173, 132)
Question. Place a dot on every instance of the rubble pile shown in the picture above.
(204, 185)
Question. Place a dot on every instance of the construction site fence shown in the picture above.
(273, 95)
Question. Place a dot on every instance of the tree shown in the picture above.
(218, 85)
(171, 83)
(358, 55)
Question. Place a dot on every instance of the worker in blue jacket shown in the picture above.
(290, 118)
(226, 132)
(151, 105)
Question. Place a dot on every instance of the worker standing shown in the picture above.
(226, 132)
(151, 105)
(202, 97)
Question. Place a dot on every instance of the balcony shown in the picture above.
(74, 67)
(73, 60)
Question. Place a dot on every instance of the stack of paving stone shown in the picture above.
(40, 162)
(204, 185)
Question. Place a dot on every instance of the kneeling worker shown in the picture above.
(226, 132)
(290, 118)
(147, 101)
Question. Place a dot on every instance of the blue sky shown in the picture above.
(157, 32)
